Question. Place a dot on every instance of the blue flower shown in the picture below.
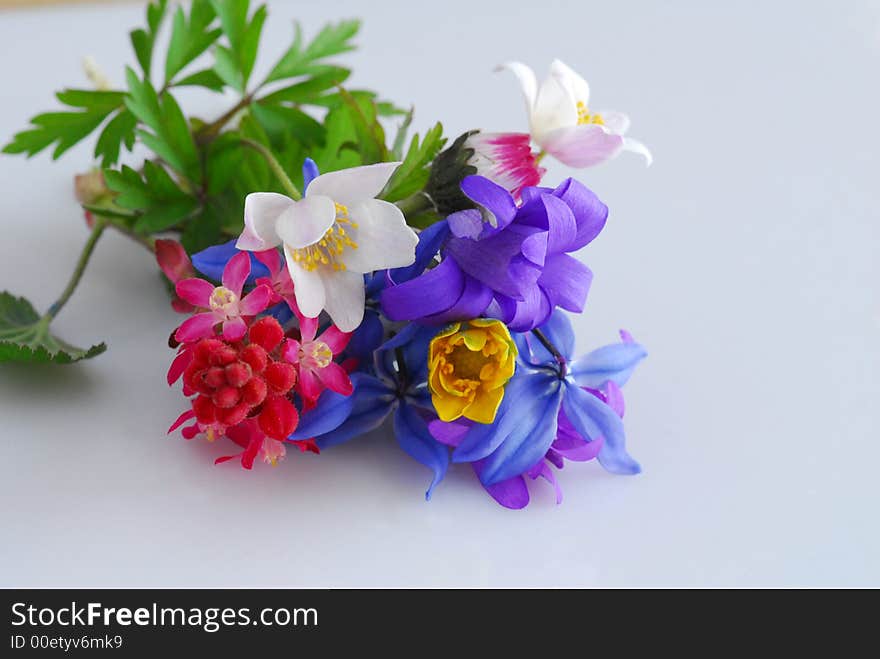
(398, 385)
(545, 384)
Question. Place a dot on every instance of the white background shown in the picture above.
(744, 259)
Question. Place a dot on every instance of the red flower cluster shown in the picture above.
(236, 384)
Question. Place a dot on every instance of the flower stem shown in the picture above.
(415, 204)
(275, 166)
(209, 131)
(553, 350)
(84, 256)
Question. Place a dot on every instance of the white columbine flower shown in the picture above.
(332, 237)
(562, 124)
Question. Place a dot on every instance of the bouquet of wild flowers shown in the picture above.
(330, 280)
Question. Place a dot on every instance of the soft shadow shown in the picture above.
(46, 382)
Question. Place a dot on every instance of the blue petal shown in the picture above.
(414, 438)
(367, 337)
(413, 339)
(560, 333)
(614, 363)
(529, 441)
(431, 240)
(333, 411)
(280, 312)
(310, 172)
(517, 408)
(592, 418)
(211, 262)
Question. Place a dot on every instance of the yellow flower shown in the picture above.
(469, 364)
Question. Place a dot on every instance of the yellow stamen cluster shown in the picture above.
(584, 116)
(469, 364)
(316, 354)
(328, 250)
(222, 299)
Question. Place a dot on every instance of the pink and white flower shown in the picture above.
(507, 159)
(562, 124)
(225, 303)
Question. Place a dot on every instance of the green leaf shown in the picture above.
(369, 132)
(247, 54)
(132, 191)
(400, 137)
(303, 92)
(65, 129)
(202, 231)
(283, 124)
(233, 18)
(333, 39)
(206, 78)
(189, 39)
(223, 161)
(227, 69)
(413, 173)
(25, 337)
(165, 215)
(143, 40)
(118, 131)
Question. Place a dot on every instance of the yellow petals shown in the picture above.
(468, 366)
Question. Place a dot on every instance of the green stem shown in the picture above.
(553, 350)
(209, 131)
(84, 256)
(292, 191)
(415, 204)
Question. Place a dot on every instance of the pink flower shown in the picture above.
(175, 263)
(225, 303)
(279, 280)
(506, 159)
(253, 440)
(314, 359)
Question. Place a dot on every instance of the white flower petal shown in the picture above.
(635, 146)
(382, 236)
(261, 210)
(308, 285)
(350, 186)
(582, 146)
(616, 122)
(526, 79)
(572, 81)
(554, 108)
(345, 298)
(306, 221)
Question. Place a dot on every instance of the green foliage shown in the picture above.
(24, 336)
(199, 172)
(413, 173)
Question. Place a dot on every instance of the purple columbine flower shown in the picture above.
(504, 261)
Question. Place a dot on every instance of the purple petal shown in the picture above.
(489, 260)
(450, 433)
(430, 293)
(553, 215)
(466, 224)
(589, 212)
(524, 315)
(491, 196)
(511, 493)
(566, 281)
(473, 302)
(614, 397)
(543, 470)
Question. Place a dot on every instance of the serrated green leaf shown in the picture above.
(303, 92)
(223, 161)
(160, 183)
(132, 191)
(207, 78)
(247, 53)
(91, 99)
(25, 337)
(202, 231)
(142, 100)
(142, 43)
(333, 39)
(413, 173)
(118, 131)
(189, 39)
(164, 215)
(226, 68)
